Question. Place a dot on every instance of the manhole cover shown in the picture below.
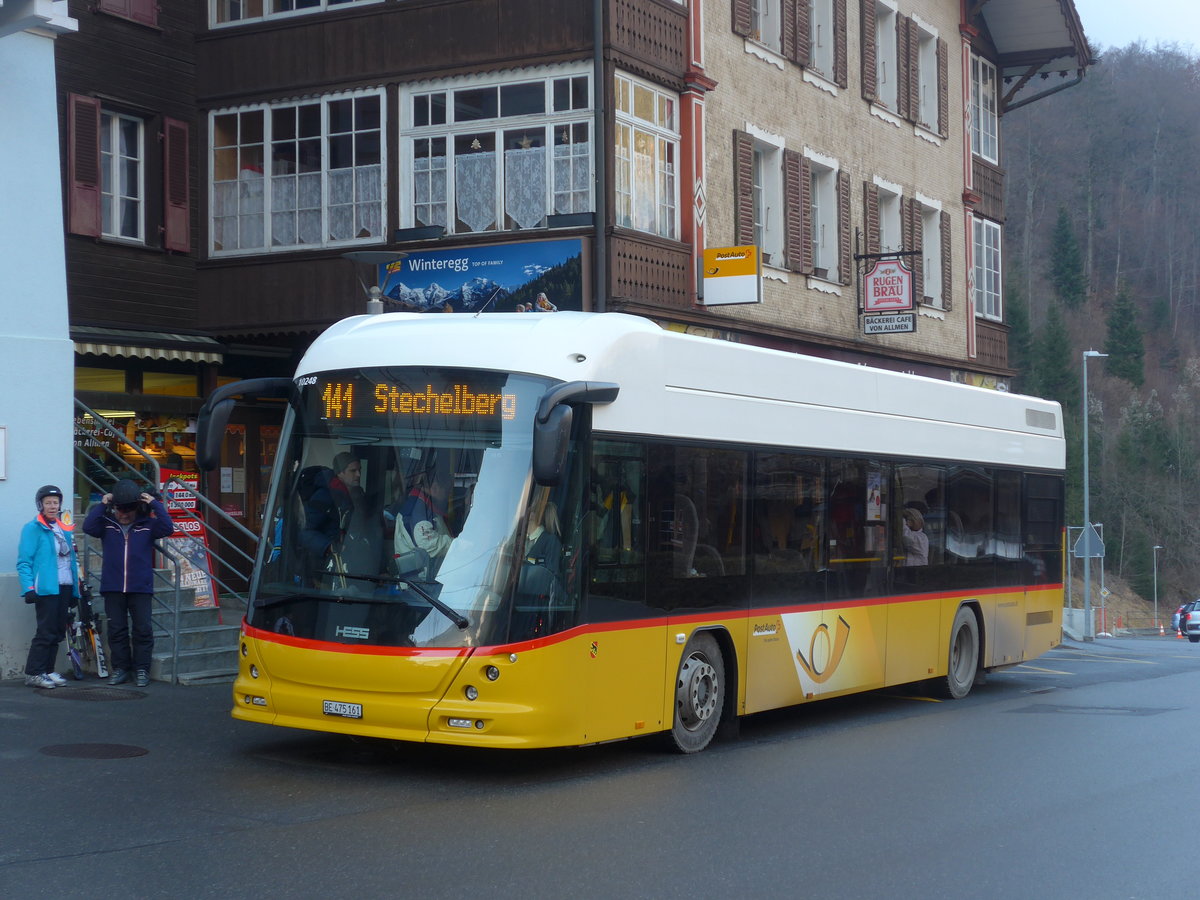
(94, 751)
(92, 693)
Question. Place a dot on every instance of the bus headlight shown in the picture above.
(253, 670)
(472, 692)
(491, 673)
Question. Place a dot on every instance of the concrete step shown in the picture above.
(192, 662)
(211, 676)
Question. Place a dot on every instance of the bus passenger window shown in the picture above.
(614, 522)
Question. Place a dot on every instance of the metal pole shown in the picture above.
(1157, 547)
(1088, 633)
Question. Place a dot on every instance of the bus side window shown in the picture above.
(613, 514)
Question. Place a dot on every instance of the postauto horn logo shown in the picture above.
(837, 646)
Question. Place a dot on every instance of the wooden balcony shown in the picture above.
(991, 344)
(650, 36)
(989, 186)
(649, 270)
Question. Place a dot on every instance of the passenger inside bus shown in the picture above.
(423, 517)
(339, 530)
(916, 542)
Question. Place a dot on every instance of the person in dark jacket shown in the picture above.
(128, 522)
(49, 574)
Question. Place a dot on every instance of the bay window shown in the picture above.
(646, 164)
(498, 156)
(290, 176)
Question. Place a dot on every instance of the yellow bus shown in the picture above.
(550, 530)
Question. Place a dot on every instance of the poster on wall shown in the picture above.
(537, 277)
(189, 540)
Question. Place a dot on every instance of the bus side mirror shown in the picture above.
(211, 423)
(550, 440)
(213, 417)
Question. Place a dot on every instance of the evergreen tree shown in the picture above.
(1124, 344)
(1053, 359)
(1020, 340)
(1066, 265)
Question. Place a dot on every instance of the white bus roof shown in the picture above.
(681, 386)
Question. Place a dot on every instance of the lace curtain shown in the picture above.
(475, 190)
(525, 186)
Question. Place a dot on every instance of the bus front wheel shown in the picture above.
(699, 694)
(963, 656)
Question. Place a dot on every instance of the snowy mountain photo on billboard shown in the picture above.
(538, 276)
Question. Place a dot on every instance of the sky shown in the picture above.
(1118, 23)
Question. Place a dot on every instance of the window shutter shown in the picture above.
(803, 33)
(918, 243)
(906, 224)
(807, 234)
(741, 17)
(943, 88)
(787, 29)
(845, 259)
(870, 85)
(947, 293)
(914, 70)
(83, 189)
(871, 216)
(841, 68)
(177, 208)
(793, 210)
(904, 70)
(743, 188)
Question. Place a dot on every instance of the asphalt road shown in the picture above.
(1061, 778)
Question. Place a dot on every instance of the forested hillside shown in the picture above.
(1102, 251)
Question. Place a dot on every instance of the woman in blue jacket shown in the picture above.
(49, 575)
(128, 522)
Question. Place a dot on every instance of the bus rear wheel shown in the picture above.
(963, 658)
(699, 695)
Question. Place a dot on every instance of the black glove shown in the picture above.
(31, 597)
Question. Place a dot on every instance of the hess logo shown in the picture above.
(352, 631)
(833, 650)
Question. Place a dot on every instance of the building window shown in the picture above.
(647, 149)
(825, 230)
(122, 177)
(987, 270)
(491, 156)
(822, 37)
(931, 256)
(984, 124)
(290, 176)
(887, 76)
(890, 227)
(768, 202)
(765, 24)
(927, 80)
(226, 12)
(144, 11)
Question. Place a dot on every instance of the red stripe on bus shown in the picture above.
(272, 637)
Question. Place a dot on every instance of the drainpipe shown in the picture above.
(600, 158)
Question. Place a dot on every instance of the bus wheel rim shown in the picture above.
(696, 695)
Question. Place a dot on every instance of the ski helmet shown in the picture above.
(47, 490)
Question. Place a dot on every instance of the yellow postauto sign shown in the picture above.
(731, 275)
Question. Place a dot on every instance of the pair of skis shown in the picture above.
(83, 636)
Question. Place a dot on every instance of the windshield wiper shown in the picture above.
(448, 611)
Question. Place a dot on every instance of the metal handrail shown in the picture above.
(225, 558)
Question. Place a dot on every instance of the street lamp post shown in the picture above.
(1088, 633)
(1157, 547)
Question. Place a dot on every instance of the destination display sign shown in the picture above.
(352, 398)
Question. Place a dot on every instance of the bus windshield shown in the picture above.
(400, 506)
